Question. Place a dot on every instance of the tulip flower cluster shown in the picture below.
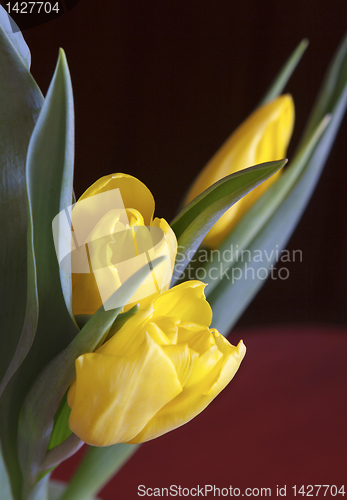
(101, 342)
(164, 365)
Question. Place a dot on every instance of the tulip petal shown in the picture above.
(114, 400)
(124, 342)
(86, 297)
(206, 371)
(183, 359)
(159, 335)
(185, 301)
(191, 402)
(134, 193)
(199, 337)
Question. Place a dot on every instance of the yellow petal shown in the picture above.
(185, 301)
(263, 137)
(198, 337)
(231, 361)
(192, 401)
(115, 397)
(134, 193)
(183, 359)
(86, 297)
(160, 278)
(170, 239)
(130, 337)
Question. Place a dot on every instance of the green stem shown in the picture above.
(96, 469)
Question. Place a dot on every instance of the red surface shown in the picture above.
(281, 421)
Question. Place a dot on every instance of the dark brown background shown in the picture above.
(160, 84)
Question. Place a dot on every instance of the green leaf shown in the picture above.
(331, 89)
(37, 416)
(285, 73)
(5, 488)
(96, 469)
(82, 319)
(196, 219)
(49, 165)
(61, 429)
(15, 37)
(20, 103)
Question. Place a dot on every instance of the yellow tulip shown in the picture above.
(262, 137)
(139, 208)
(161, 369)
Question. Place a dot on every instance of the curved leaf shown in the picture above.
(20, 103)
(49, 163)
(196, 219)
(330, 91)
(5, 489)
(15, 37)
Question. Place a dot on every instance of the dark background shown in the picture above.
(158, 87)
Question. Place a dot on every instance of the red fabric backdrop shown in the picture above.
(281, 421)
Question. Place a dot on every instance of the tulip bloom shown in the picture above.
(111, 236)
(263, 136)
(162, 368)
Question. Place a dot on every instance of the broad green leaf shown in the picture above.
(15, 37)
(31, 312)
(230, 298)
(20, 103)
(96, 469)
(49, 163)
(285, 73)
(196, 219)
(37, 417)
